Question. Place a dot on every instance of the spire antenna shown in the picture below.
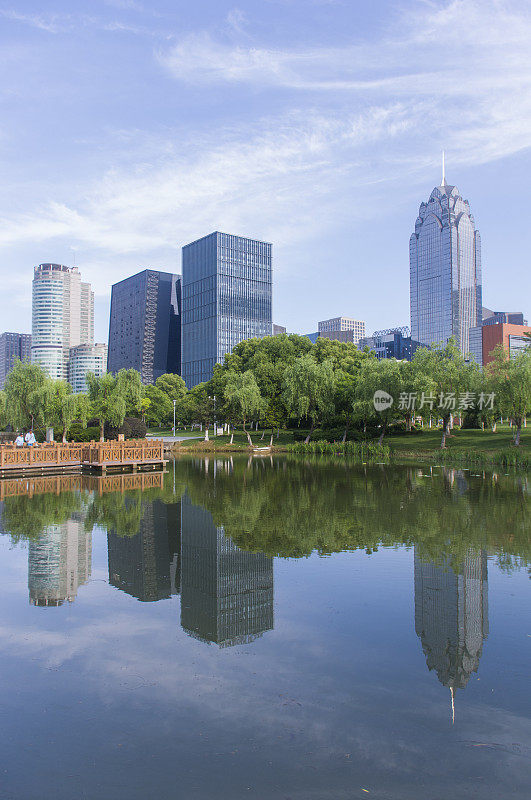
(452, 693)
(443, 172)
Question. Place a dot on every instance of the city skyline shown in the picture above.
(287, 122)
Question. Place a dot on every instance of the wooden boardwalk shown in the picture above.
(99, 484)
(130, 455)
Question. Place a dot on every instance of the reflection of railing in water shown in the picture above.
(92, 455)
(56, 484)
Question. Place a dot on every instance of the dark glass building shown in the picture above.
(445, 270)
(391, 343)
(227, 290)
(226, 593)
(147, 566)
(145, 325)
(13, 346)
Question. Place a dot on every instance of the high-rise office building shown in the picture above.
(145, 325)
(13, 346)
(62, 317)
(343, 329)
(445, 270)
(86, 358)
(59, 561)
(147, 565)
(226, 299)
(451, 615)
(226, 593)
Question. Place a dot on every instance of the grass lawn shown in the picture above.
(240, 440)
(484, 442)
(402, 445)
(169, 432)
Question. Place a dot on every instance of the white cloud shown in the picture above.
(358, 122)
(49, 24)
(456, 49)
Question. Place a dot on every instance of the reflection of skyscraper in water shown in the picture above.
(227, 593)
(451, 616)
(59, 561)
(147, 565)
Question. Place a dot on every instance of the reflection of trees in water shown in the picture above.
(293, 507)
(25, 517)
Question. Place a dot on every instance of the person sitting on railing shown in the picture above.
(30, 439)
(19, 441)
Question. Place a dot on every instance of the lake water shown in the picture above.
(275, 628)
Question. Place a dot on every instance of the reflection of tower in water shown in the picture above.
(227, 593)
(147, 565)
(451, 616)
(59, 561)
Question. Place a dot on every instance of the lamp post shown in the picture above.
(174, 404)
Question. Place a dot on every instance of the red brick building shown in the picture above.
(510, 336)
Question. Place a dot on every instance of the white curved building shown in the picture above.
(62, 317)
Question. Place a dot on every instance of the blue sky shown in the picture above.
(129, 129)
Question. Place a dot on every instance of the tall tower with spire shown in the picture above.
(445, 269)
(451, 616)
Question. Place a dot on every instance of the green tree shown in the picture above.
(25, 394)
(3, 408)
(308, 390)
(450, 374)
(129, 386)
(512, 386)
(108, 403)
(243, 396)
(172, 385)
(199, 406)
(379, 376)
(64, 406)
(160, 408)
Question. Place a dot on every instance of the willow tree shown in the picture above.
(242, 395)
(512, 386)
(309, 390)
(3, 405)
(450, 375)
(25, 395)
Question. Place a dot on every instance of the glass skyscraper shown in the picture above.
(226, 299)
(445, 270)
(226, 593)
(13, 346)
(145, 325)
(451, 615)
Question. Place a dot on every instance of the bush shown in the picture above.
(132, 428)
(471, 421)
(362, 451)
(78, 433)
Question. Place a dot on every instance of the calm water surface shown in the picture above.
(268, 629)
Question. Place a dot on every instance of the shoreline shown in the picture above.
(448, 457)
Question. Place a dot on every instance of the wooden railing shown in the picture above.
(133, 451)
(49, 455)
(96, 454)
(56, 484)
